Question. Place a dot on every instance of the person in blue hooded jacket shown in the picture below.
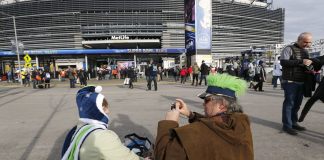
(91, 138)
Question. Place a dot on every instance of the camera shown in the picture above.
(310, 68)
(173, 106)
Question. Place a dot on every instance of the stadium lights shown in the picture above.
(16, 40)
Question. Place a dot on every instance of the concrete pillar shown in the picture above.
(134, 60)
(86, 62)
(37, 64)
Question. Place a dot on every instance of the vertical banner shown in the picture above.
(203, 26)
(190, 35)
(198, 26)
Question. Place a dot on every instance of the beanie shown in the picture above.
(89, 101)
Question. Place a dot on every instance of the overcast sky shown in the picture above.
(301, 16)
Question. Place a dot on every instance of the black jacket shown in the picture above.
(294, 69)
(204, 69)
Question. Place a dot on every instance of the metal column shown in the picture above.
(134, 60)
(37, 65)
(86, 63)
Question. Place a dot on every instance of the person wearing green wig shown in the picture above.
(223, 132)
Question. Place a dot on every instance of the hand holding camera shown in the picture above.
(182, 107)
(177, 108)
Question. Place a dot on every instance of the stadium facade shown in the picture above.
(122, 29)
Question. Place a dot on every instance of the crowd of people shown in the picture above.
(223, 125)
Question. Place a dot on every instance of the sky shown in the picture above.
(302, 16)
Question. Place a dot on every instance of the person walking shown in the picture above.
(277, 73)
(47, 79)
(251, 73)
(70, 74)
(131, 76)
(204, 71)
(261, 77)
(294, 59)
(190, 73)
(318, 94)
(183, 74)
(152, 77)
(195, 71)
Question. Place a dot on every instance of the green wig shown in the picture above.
(228, 82)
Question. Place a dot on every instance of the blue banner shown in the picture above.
(190, 35)
(203, 24)
(96, 51)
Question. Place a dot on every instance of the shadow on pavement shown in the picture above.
(312, 136)
(123, 125)
(319, 112)
(35, 139)
(56, 150)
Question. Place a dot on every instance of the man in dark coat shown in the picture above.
(153, 73)
(204, 71)
(294, 59)
(318, 94)
(131, 76)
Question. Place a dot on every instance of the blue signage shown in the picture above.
(96, 51)
(190, 35)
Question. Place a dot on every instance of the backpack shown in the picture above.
(74, 140)
(154, 68)
(257, 70)
(246, 65)
(139, 145)
(47, 75)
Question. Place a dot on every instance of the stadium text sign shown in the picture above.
(121, 37)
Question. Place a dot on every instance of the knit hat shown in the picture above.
(89, 101)
(260, 62)
(224, 85)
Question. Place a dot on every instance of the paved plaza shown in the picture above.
(34, 122)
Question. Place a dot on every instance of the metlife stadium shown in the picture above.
(136, 30)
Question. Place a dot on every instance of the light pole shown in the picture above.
(16, 40)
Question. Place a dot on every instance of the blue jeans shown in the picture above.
(274, 81)
(152, 78)
(203, 77)
(293, 99)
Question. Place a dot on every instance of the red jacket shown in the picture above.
(183, 72)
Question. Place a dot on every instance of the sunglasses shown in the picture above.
(208, 99)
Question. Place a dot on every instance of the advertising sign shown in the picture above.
(190, 35)
(203, 24)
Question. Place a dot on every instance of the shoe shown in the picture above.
(302, 117)
(290, 131)
(298, 127)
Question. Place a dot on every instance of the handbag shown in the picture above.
(126, 81)
(139, 145)
(38, 77)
